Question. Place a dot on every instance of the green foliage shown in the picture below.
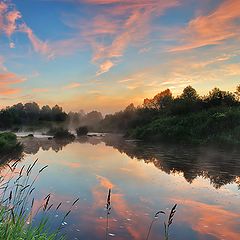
(17, 207)
(81, 131)
(29, 113)
(186, 118)
(61, 133)
(215, 125)
(8, 142)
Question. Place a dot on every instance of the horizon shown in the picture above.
(105, 54)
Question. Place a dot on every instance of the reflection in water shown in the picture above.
(89, 166)
(219, 166)
(32, 145)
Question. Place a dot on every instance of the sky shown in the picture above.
(105, 54)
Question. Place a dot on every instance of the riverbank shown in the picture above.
(9, 143)
(215, 126)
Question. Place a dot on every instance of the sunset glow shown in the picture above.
(104, 54)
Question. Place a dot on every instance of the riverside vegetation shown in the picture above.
(189, 117)
(214, 118)
(17, 206)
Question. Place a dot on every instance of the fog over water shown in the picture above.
(144, 179)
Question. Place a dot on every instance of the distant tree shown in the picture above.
(46, 113)
(58, 114)
(32, 111)
(159, 101)
(238, 92)
(218, 97)
(189, 94)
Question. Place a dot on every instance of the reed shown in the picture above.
(17, 204)
(108, 211)
(167, 223)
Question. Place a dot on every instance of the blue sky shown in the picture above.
(105, 54)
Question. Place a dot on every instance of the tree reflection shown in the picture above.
(32, 145)
(220, 166)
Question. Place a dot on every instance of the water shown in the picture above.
(144, 179)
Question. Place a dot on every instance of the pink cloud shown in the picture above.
(11, 21)
(38, 45)
(122, 23)
(6, 80)
(211, 29)
(72, 85)
(105, 67)
(11, 18)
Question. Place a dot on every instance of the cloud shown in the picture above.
(7, 79)
(211, 220)
(105, 67)
(38, 45)
(72, 85)
(220, 25)
(11, 21)
(40, 90)
(11, 18)
(117, 26)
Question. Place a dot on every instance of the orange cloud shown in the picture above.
(105, 182)
(11, 18)
(124, 23)
(211, 29)
(8, 18)
(6, 80)
(105, 67)
(209, 219)
(72, 85)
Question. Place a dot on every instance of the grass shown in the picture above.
(17, 207)
(167, 222)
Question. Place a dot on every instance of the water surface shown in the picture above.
(144, 179)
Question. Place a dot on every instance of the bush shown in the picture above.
(81, 131)
(8, 142)
(61, 133)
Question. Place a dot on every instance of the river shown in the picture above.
(203, 182)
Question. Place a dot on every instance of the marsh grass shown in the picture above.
(17, 206)
(167, 223)
(108, 211)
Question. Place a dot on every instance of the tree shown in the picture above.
(189, 94)
(159, 101)
(58, 114)
(46, 113)
(238, 92)
(217, 97)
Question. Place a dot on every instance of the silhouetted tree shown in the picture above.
(159, 101)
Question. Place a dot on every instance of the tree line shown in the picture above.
(165, 104)
(30, 113)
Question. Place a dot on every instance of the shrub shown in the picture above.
(8, 142)
(61, 133)
(81, 131)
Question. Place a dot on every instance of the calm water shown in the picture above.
(144, 179)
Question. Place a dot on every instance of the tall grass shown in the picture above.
(17, 206)
(108, 211)
(167, 222)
